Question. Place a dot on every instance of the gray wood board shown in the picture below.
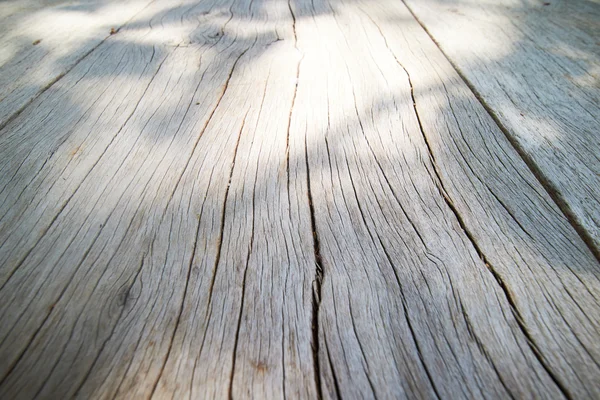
(265, 199)
(527, 244)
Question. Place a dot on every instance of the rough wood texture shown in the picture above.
(41, 41)
(546, 271)
(536, 66)
(256, 198)
(370, 138)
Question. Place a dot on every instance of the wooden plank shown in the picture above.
(248, 333)
(546, 271)
(408, 308)
(535, 64)
(156, 240)
(95, 300)
(41, 41)
(50, 170)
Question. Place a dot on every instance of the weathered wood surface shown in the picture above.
(41, 41)
(519, 232)
(255, 198)
(536, 66)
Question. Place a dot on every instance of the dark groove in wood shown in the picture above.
(250, 246)
(317, 282)
(239, 322)
(318, 277)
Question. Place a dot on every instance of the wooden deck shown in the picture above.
(303, 199)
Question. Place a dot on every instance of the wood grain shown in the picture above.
(535, 65)
(41, 41)
(256, 198)
(547, 272)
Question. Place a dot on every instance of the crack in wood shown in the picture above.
(318, 279)
(250, 246)
(318, 275)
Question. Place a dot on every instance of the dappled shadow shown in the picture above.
(535, 64)
(38, 47)
(159, 192)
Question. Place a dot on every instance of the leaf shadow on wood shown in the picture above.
(92, 312)
(535, 64)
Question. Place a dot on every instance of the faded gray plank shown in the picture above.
(536, 65)
(157, 206)
(136, 228)
(545, 269)
(40, 42)
(408, 309)
(247, 333)
(65, 181)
